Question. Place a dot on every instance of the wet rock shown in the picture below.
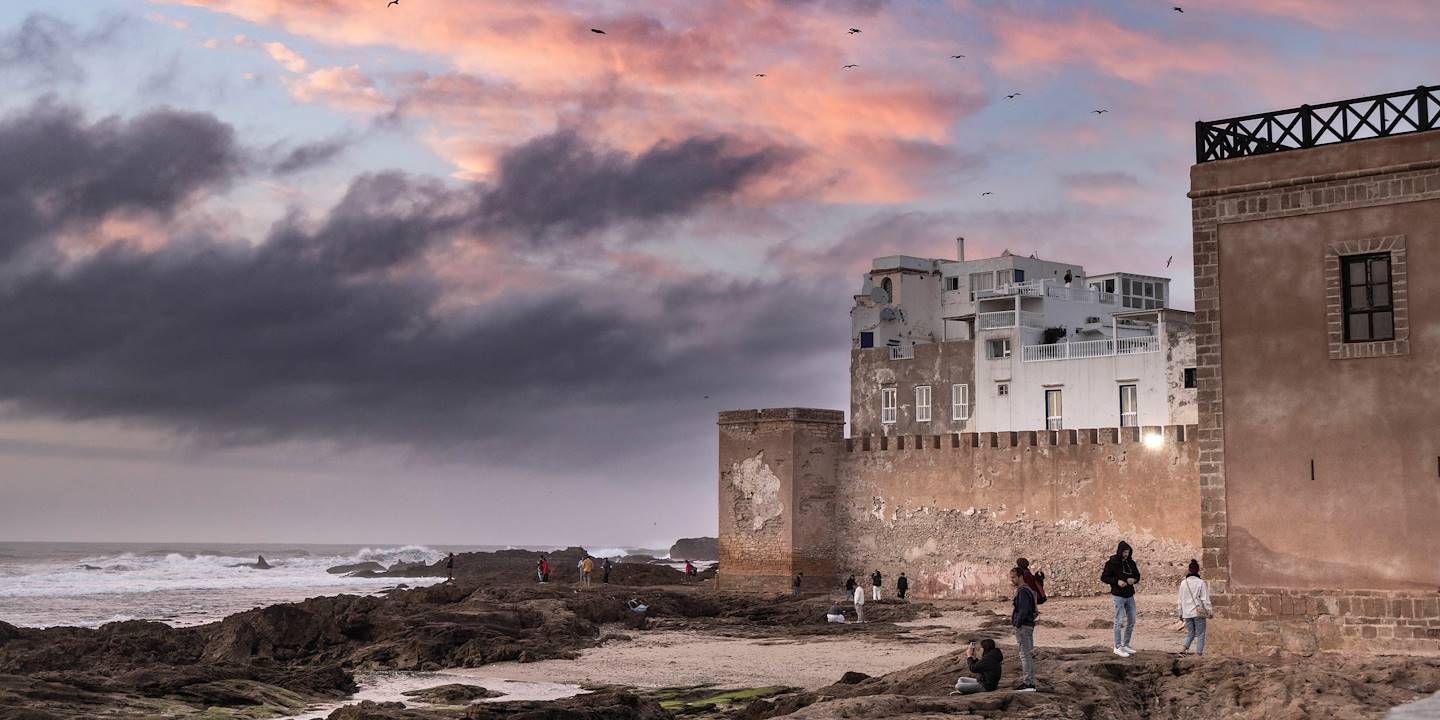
(705, 549)
(852, 678)
(370, 710)
(370, 567)
(452, 694)
(602, 705)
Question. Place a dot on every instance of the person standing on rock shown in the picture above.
(799, 578)
(1194, 608)
(875, 585)
(543, 568)
(901, 585)
(1122, 574)
(1022, 618)
(605, 572)
(850, 585)
(859, 597)
(450, 567)
(587, 566)
(689, 571)
(985, 660)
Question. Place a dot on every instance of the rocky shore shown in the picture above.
(752, 659)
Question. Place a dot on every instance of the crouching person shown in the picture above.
(985, 665)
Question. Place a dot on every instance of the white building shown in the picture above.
(1015, 343)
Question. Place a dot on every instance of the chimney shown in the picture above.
(960, 249)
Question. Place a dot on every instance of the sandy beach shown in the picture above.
(666, 658)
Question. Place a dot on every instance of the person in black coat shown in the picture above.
(875, 585)
(985, 660)
(1024, 611)
(850, 586)
(901, 585)
(1121, 574)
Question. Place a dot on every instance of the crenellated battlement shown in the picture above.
(1030, 438)
(952, 510)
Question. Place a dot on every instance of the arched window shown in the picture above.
(888, 288)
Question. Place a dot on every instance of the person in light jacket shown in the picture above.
(859, 604)
(1194, 608)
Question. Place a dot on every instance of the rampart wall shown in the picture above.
(954, 511)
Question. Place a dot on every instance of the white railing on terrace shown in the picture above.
(1090, 349)
(1033, 288)
(1050, 287)
(1006, 319)
(902, 353)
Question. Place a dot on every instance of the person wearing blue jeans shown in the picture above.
(1194, 608)
(1023, 614)
(1122, 574)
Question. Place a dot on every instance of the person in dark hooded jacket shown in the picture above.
(986, 665)
(1122, 574)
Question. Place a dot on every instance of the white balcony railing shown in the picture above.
(902, 352)
(1007, 319)
(1090, 349)
(1028, 288)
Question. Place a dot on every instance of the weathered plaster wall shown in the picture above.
(953, 512)
(777, 470)
(1371, 426)
(1180, 354)
(1337, 562)
(939, 365)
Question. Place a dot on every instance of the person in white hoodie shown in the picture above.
(859, 604)
(1195, 608)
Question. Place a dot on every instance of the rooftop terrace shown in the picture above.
(1397, 113)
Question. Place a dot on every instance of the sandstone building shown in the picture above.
(1317, 253)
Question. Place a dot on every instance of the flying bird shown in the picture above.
(956, 57)
(1100, 112)
(847, 67)
(1178, 9)
(393, 2)
(1167, 262)
(854, 30)
(597, 31)
(1012, 96)
(986, 193)
(759, 74)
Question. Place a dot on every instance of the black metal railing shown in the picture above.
(1311, 125)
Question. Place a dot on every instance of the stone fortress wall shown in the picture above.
(952, 511)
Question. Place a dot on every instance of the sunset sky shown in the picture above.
(466, 272)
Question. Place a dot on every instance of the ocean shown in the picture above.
(49, 584)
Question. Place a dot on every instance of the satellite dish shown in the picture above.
(887, 313)
(879, 295)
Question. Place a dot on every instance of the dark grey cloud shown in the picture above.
(310, 155)
(46, 48)
(327, 330)
(559, 185)
(58, 171)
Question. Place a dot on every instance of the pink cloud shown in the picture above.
(1031, 44)
(871, 134)
(1117, 189)
(289, 59)
(345, 87)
